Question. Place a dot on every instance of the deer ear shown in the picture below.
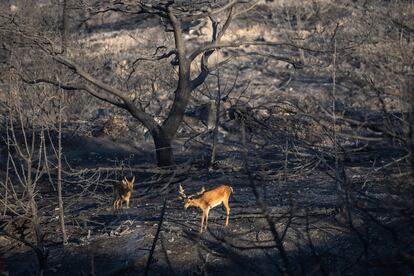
(124, 182)
(133, 179)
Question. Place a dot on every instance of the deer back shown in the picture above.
(214, 197)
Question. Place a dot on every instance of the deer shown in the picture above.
(122, 192)
(206, 200)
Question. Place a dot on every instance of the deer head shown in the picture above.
(189, 199)
(128, 184)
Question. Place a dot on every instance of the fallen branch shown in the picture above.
(154, 243)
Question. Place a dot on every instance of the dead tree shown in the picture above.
(23, 222)
(173, 17)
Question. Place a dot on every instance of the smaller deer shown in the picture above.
(123, 192)
(208, 200)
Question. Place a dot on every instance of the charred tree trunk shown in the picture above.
(410, 87)
(42, 259)
(40, 249)
(163, 150)
(216, 122)
(59, 176)
(65, 26)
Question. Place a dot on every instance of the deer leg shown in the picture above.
(206, 218)
(127, 203)
(202, 222)
(226, 205)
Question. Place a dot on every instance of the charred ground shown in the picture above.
(316, 140)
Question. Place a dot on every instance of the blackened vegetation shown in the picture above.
(304, 109)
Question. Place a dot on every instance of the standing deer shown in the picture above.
(208, 200)
(123, 192)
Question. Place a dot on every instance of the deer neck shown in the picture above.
(200, 203)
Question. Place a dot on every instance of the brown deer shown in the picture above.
(123, 192)
(208, 200)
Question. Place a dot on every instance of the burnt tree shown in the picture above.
(175, 19)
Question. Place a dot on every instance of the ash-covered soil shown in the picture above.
(303, 208)
(287, 211)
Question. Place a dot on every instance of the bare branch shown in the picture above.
(226, 24)
(179, 40)
(192, 16)
(72, 87)
(205, 70)
(154, 58)
(139, 114)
